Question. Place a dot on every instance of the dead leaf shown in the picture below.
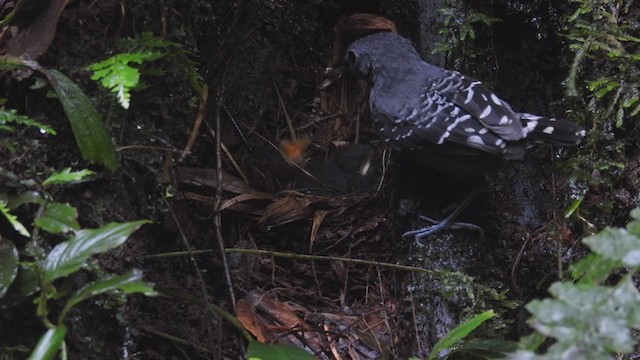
(211, 200)
(250, 321)
(34, 39)
(208, 177)
(288, 209)
(318, 218)
(230, 203)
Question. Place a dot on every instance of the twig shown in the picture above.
(185, 240)
(297, 256)
(317, 121)
(356, 140)
(334, 258)
(217, 222)
(229, 156)
(189, 252)
(146, 147)
(202, 109)
(385, 319)
(292, 131)
(178, 340)
(235, 125)
(518, 259)
(176, 254)
(245, 10)
(414, 313)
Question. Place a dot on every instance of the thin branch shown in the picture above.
(217, 222)
(229, 156)
(146, 147)
(235, 125)
(292, 131)
(185, 240)
(202, 109)
(177, 340)
(301, 257)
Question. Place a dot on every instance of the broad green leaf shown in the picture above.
(67, 176)
(69, 256)
(549, 317)
(262, 351)
(49, 344)
(633, 227)
(90, 132)
(27, 197)
(454, 336)
(589, 319)
(630, 101)
(593, 269)
(25, 284)
(575, 204)
(616, 244)
(532, 342)
(13, 220)
(625, 300)
(8, 265)
(128, 283)
(58, 218)
(586, 320)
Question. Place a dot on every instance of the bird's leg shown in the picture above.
(448, 222)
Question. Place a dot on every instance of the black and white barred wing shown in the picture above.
(454, 109)
(436, 119)
(472, 96)
(498, 117)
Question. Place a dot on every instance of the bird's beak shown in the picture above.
(331, 75)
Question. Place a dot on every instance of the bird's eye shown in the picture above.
(351, 58)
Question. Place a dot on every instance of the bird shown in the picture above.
(418, 105)
(347, 170)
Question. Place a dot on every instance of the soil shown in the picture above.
(263, 62)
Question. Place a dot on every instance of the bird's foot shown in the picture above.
(447, 223)
(438, 226)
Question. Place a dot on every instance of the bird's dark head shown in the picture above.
(360, 59)
(380, 52)
(382, 55)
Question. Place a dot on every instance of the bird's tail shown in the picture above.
(551, 131)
